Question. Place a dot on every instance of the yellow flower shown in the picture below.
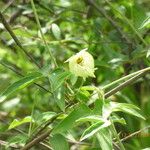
(82, 64)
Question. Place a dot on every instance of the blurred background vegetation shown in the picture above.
(115, 32)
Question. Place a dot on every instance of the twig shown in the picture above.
(7, 5)
(44, 7)
(15, 15)
(124, 84)
(45, 126)
(8, 28)
(46, 145)
(42, 35)
(37, 140)
(125, 78)
(135, 133)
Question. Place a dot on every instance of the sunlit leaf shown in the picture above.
(123, 107)
(92, 118)
(94, 128)
(58, 77)
(17, 122)
(56, 31)
(104, 137)
(80, 111)
(20, 84)
(59, 97)
(145, 23)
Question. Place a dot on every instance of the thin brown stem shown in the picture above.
(37, 140)
(8, 28)
(45, 126)
(15, 15)
(135, 133)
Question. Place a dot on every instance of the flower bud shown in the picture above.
(82, 64)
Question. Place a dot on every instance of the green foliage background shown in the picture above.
(115, 32)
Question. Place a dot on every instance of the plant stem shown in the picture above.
(125, 78)
(124, 84)
(9, 29)
(42, 35)
(46, 134)
(116, 135)
(36, 140)
(135, 133)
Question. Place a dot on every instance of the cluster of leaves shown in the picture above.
(41, 98)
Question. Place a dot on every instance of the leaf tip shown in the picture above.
(2, 98)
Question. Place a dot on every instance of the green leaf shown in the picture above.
(148, 148)
(57, 78)
(148, 52)
(88, 88)
(92, 118)
(82, 96)
(58, 142)
(59, 97)
(94, 128)
(128, 108)
(145, 23)
(17, 123)
(24, 32)
(138, 15)
(56, 31)
(19, 85)
(66, 124)
(18, 139)
(117, 119)
(105, 139)
(98, 105)
(123, 107)
(47, 115)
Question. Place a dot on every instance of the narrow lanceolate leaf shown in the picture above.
(56, 31)
(145, 23)
(148, 148)
(104, 137)
(80, 111)
(94, 128)
(128, 108)
(148, 52)
(92, 118)
(123, 107)
(17, 123)
(58, 142)
(57, 78)
(20, 84)
(117, 119)
(59, 97)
